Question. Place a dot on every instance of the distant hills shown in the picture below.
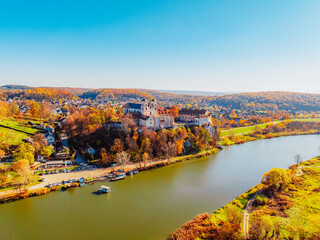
(196, 93)
(260, 101)
(14, 87)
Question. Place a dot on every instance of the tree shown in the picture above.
(24, 151)
(261, 227)
(39, 141)
(179, 146)
(47, 151)
(4, 176)
(117, 146)
(22, 167)
(276, 178)
(34, 109)
(171, 150)
(122, 159)
(297, 159)
(145, 158)
(175, 111)
(145, 147)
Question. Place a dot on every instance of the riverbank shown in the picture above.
(168, 196)
(281, 208)
(94, 174)
(98, 174)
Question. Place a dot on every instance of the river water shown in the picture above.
(153, 203)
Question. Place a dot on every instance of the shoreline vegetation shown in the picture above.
(279, 129)
(283, 206)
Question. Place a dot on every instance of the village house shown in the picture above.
(62, 152)
(90, 150)
(55, 164)
(50, 138)
(49, 129)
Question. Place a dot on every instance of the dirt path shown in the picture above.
(246, 216)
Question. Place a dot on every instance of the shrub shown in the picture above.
(261, 200)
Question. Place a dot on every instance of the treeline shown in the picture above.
(115, 94)
(270, 101)
(39, 94)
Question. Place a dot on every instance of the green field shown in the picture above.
(306, 120)
(13, 137)
(16, 131)
(242, 130)
(16, 125)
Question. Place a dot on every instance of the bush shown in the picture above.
(261, 200)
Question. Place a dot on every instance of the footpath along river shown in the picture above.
(153, 203)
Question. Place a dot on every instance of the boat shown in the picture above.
(118, 176)
(82, 184)
(105, 189)
(81, 180)
(130, 173)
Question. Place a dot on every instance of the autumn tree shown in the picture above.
(276, 178)
(22, 167)
(175, 111)
(47, 151)
(117, 146)
(171, 150)
(34, 109)
(179, 146)
(122, 159)
(145, 158)
(25, 151)
(39, 141)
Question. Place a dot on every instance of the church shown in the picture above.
(147, 114)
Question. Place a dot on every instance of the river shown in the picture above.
(153, 203)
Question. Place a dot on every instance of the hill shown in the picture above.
(258, 101)
(290, 101)
(193, 93)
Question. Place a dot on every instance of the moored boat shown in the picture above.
(105, 189)
(118, 176)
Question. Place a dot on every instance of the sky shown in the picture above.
(217, 45)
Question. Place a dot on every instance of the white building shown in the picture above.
(149, 115)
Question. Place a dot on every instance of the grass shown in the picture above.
(250, 129)
(13, 137)
(306, 120)
(242, 130)
(17, 125)
(16, 131)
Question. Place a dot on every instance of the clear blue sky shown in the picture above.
(217, 45)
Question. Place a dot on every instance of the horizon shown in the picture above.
(211, 46)
(166, 90)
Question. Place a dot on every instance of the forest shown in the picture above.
(258, 101)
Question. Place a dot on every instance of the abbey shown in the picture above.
(146, 113)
